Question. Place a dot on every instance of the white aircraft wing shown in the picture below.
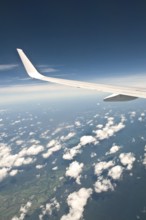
(118, 93)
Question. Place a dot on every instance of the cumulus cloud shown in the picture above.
(87, 139)
(93, 154)
(31, 151)
(55, 168)
(49, 208)
(52, 143)
(23, 161)
(51, 151)
(23, 211)
(115, 172)
(127, 159)
(3, 173)
(113, 149)
(84, 140)
(39, 166)
(19, 142)
(103, 185)
(109, 129)
(57, 130)
(144, 159)
(9, 161)
(132, 114)
(67, 137)
(101, 166)
(71, 153)
(76, 202)
(13, 172)
(77, 123)
(99, 126)
(74, 170)
(34, 150)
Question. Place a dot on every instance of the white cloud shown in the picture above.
(34, 150)
(49, 70)
(101, 166)
(52, 143)
(87, 139)
(3, 173)
(115, 172)
(76, 202)
(19, 142)
(113, 149)
(13, 172)
(77, 123)
(127, 159)
(55, 168)
(93, 154)
(50, 207)
(144, 160)
(4, 67)
(143, 114)
(51, 151)
(84, 140)
(23, 161)
(71, 153)
(39, 166)
(9, 161)
(74, 170)
(23, 211)
(103, 185)
(57, 130)
(109, 129)
(67, 137)
(132, 114)
(99, 126)
(140, 119)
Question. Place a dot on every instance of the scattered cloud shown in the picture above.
(76, 202)
(57, 130)
(67, 137)
(51, 150)
(84, 140)
(39, 166)
(93, 154)
(55, 168)
(113, 149)
(9, 161)
(23, 211)
(13, 172)
(49, 208)
(109, 129)
(103, 185)
(3, 173)
(115, 172)
(87, 139)
(101, 166)
(77, 123)
(74, 170)
(71, 153)
(33, 150)
(127, 159)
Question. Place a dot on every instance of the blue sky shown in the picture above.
(74, 39)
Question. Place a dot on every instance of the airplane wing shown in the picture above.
(118, 93)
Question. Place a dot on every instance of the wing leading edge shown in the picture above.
(119, 93)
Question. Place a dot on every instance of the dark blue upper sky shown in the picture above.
(80, 37)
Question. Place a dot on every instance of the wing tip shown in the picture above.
(18, 49)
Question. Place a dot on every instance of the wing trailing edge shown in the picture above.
(119, 93)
